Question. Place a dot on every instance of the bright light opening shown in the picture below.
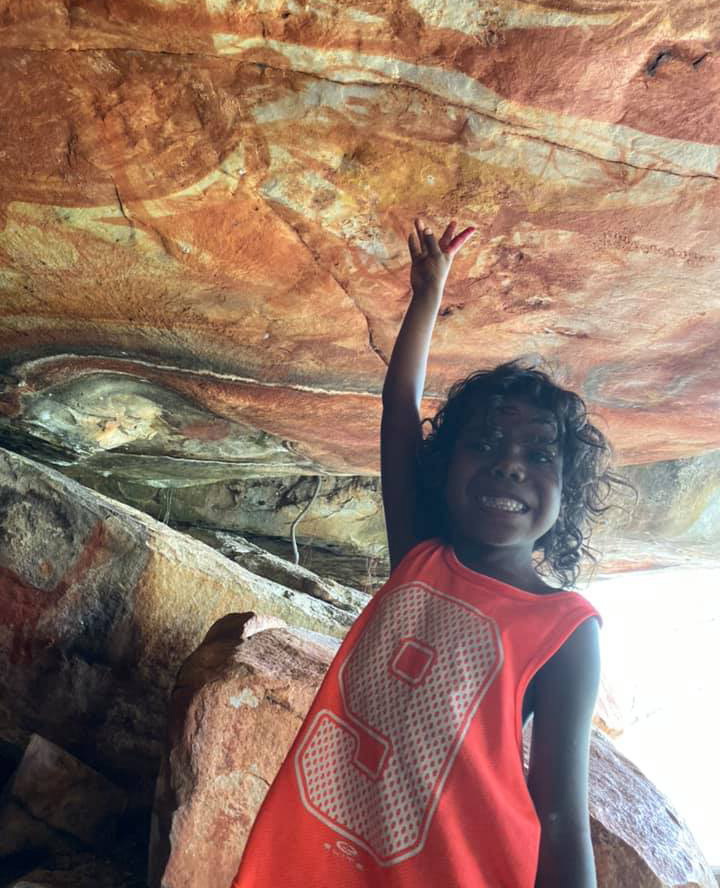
(661, 651)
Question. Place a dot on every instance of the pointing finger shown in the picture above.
(458, 241)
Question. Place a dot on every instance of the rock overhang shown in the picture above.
(203, 213)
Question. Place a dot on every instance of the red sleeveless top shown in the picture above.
(407, 771)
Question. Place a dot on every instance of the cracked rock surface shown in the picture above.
(234, 713)
(101, 604)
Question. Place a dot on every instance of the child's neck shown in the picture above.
(506, 564)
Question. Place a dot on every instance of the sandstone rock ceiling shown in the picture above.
(203, 209)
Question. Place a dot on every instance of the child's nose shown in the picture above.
(508, 466)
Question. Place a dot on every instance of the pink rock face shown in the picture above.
(217, 195)
(234, 714)
(99, 606)
(638, 837)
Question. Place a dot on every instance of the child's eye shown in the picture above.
(543, 456)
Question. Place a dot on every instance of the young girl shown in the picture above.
(407, 772)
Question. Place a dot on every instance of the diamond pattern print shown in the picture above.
(375, 773)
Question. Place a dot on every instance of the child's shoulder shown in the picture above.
(422, 555)
(542, 588)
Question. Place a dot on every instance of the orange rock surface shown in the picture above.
(214, 196)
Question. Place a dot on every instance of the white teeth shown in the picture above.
(507, 505)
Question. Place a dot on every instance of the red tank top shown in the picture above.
(407, 771)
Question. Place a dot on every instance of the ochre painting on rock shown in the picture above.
(214, 197)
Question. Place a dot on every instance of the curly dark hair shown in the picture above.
(587, 481)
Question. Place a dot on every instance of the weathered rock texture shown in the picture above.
(235, 711)
(54, 792)
(238, 707)
(638, 837)
(203, 210)
(100, 604)
(366, 573)
(279, 570)
(674, 521)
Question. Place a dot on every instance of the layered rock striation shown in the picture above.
(208, 202)
(203, 211)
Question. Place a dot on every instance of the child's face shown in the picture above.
(504, 483)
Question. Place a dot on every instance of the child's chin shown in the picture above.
(498, 536)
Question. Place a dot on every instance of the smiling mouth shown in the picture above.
(502, 504)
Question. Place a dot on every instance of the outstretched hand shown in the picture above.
(432, 258)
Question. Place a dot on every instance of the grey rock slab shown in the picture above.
(292, 576)
(56, 788)
(99, 606)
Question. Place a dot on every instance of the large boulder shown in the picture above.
(235, 711)
(100, 605)
(638, 837)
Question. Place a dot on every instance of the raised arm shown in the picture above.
(405, 380)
